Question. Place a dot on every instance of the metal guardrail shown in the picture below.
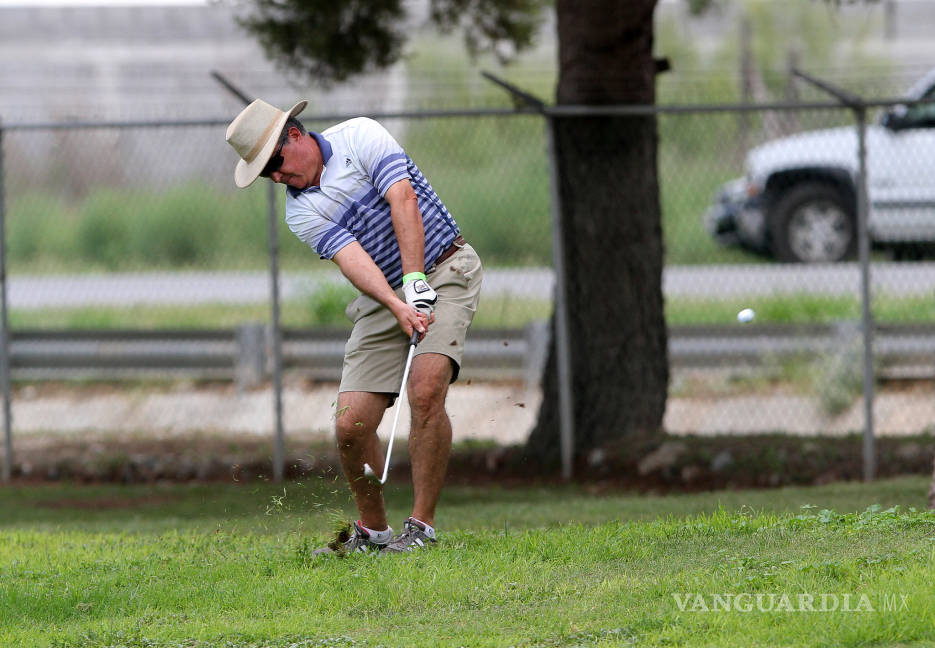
(904, 351)
(242, 354)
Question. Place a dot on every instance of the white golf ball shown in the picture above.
(746, 315)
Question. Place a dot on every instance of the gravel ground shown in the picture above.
(500, 412)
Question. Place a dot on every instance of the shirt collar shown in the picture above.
(323, 145)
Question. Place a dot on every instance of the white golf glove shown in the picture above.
(419, 294)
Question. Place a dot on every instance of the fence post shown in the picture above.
(562, 333)
(279, 443)
(562, 330)
(859, 107)
(863, 242)
(5, 335)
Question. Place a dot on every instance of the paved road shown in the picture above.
(253, 287)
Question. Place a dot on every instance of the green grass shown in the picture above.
(799, 309)
(508, 221)
(326, 308)
(198, 227)
(497, 188)
(229, 565)
(327, 311)
(189, 226)
(685, 200)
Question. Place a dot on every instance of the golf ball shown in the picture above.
(746, 315)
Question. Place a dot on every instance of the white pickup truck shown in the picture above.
(797, 200)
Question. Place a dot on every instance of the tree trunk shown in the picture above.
(612, 233)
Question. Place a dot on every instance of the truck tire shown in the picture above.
(813, 223)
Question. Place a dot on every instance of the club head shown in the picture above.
(372, 476)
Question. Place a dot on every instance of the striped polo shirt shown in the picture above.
(362, 161)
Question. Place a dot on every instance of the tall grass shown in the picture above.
(496, 186)
(187, 227)
(492, 173)
(505, 216)
(325, 307)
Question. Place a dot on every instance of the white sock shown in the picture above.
(377, 537)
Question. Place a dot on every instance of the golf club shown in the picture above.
(368, 471)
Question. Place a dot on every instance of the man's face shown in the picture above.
(301, 161)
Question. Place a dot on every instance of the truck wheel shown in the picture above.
(812, 223)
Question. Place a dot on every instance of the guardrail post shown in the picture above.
(5, 336)
(250, 368)
(537, 336)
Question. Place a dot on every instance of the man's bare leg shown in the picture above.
(430, 432)
(358, 415)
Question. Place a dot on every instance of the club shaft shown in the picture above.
(402, 391)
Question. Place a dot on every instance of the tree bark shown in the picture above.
(612, 234)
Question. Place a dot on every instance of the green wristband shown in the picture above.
(412, 276)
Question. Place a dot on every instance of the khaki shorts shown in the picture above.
(375, 353)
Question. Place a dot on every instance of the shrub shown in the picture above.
(34, 223)
(327, 304)
(103, 234)
(176, 229)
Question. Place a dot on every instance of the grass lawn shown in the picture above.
(228, 565)
(495, 312)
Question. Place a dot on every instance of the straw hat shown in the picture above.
(254, 134)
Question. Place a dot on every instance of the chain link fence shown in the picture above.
(128, 225)
(119, 228)
(785, 221)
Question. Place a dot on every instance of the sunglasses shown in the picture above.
(275, 162)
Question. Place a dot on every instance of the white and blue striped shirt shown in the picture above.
(362, 161)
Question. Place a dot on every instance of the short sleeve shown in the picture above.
(319, 233)
(380, 156)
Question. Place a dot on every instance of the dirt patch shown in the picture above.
(671, 464)
(703, 463)
(135, 459)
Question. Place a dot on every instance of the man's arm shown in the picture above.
(359, 268)
(407, 223)
(410, 236)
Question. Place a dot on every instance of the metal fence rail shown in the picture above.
(242, 354)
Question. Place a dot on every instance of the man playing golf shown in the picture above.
(355, 197)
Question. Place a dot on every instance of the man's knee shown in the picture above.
(427, 398)
(349, 430)
(357, 417)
